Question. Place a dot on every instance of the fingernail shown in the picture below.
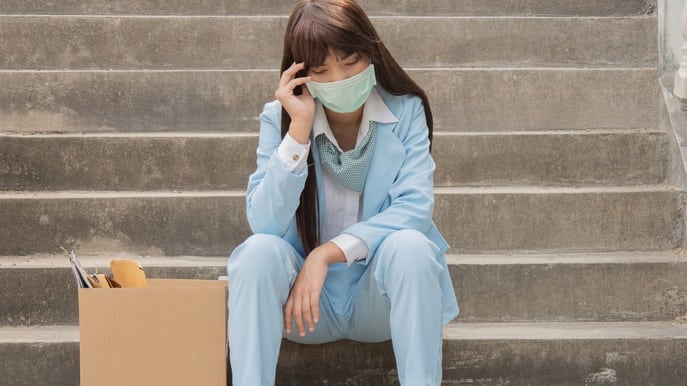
(316, 320)
(302, 334)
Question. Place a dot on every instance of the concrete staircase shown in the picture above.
(130, 126)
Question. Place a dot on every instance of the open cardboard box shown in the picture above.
(172, 333)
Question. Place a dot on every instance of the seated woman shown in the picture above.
(344, 245)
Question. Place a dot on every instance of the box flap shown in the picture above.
(185, 283)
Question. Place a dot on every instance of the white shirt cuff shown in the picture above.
(353, 248)
(293, 155)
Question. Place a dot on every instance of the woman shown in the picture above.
(340, 205)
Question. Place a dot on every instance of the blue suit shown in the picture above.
(405, 272)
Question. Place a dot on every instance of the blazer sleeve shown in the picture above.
(273, 192)
(412, 193)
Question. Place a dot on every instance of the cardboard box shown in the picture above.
(172, 333)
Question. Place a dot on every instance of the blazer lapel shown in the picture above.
(318, 173)
(387, 158)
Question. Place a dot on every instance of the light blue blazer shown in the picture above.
(398, 193)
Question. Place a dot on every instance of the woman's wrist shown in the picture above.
(300, 131)
(330, 253)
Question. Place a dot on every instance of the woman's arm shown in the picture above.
(273, 193)
(274, 189)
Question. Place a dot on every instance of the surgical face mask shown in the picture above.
(347, 95)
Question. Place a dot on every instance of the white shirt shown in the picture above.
(342, 206)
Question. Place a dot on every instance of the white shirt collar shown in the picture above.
(375, 110)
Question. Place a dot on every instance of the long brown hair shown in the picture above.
(314, 27)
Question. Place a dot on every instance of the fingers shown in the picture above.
(286, 89)
(298, 82)
(315, 305)
(294, 309)
(303, 303)
(287, 314)
(298, 315)
(293, 69)
(307, 314)
(290, 73)
(302, 307)
(301, 108)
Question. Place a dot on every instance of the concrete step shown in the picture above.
(152, 42)
(604, 157)
(502, 219)
(635, 353)
(615, 286)
(473, 220)
(463, 99)
(621, 286)
(40, 356)
(148, 223)
(269, 7)
(197, 161)
(130, 161)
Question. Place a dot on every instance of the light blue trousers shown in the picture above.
(396, 296)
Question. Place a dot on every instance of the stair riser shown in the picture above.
(209, 163)
(270, 7)
(566, 362)
(495, 362)
(566, 292)
(83, 42)
(31, 364)
(230, 101)
(551, 159)
(475, 223)
(481, 222)
(484, 100)
(486, 293)
(97, 163)
(147, 225)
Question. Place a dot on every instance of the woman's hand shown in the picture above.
(301, 108)
(304, 299)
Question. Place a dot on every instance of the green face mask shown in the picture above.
(347, 95)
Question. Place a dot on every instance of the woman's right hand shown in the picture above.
(301, 108)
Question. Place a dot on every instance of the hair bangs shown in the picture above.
(317, 31)
(309, 44)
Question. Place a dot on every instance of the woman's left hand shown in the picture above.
(304, 298)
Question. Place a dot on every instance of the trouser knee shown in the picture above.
(262, 257)
(409, 253)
